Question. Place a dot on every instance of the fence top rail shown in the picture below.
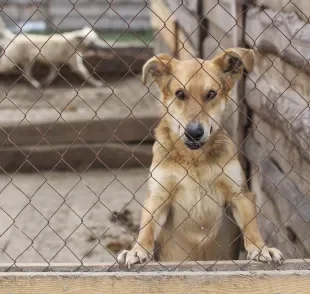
(231, 265)
(284, 282)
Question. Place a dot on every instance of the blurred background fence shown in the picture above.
(75, 158)
(72, 15)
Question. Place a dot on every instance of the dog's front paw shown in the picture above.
(265, 254)
(135, 255)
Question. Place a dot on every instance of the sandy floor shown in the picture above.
(66, 217)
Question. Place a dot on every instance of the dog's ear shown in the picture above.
(159, 67)
(235, 61)
(83, 33)
(87, 29)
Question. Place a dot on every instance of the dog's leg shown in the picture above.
(154, 216)
(77, 65)
(233, 184)
(51, 76)
(28, 74)
(244, 211)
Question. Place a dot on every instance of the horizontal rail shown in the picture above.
(157, 282)
(192, 266)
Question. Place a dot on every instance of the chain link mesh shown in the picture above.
(76, 157)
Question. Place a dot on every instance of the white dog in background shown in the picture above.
(23, 50)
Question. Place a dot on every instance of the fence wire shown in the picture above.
(56, 206)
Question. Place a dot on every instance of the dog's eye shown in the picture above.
(180, 94)
(211, 95)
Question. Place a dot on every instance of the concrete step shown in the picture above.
(77, 125)
(77, 157)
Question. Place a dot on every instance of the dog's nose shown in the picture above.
(194, 132)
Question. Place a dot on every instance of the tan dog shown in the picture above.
(195, 172)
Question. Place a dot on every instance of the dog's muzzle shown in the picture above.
(195, 136)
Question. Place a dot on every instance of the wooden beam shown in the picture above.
(283, 208)
(301, 7)
(191, 266)
(280, 110)
(187, 18)
(282, 33)
(174, 282)
(286, 155)
(164, 23)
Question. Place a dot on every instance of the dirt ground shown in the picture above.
(66, 217)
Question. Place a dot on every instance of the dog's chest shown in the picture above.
(197, 200)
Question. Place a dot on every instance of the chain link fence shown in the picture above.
(77, 129)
